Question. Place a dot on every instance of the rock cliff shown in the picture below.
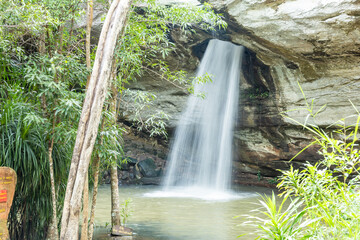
(313, 43)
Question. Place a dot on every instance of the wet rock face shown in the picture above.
(145, 158)
(147, 168)
(315, 43)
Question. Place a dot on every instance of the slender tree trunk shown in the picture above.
(115, 201)
(59, 42)
(53, 232)
(71, 31)
(90, 11)
(90, 117)
(96, 169)
(42, 49)
(84, 229)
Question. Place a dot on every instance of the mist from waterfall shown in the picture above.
(201, 153)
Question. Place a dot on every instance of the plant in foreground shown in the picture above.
(283, 220)
(323, 197)
(125, 211)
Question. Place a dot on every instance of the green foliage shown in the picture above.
(125, 211)
(137, 103)
(146, 43)
(24, 22)
(199, 80)
(109, 143)
(256, 93)
(145, 46)
(274, 180)
(41, 98)
(328, 189)
(23, 144)
(280, 223)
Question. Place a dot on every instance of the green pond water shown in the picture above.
(177, 215)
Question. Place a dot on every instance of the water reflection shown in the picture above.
(173, 218)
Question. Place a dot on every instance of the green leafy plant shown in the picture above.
(23, 144)
(325, 194)
(281, 222)
(257, 93)
(126, 211)
(274, 180)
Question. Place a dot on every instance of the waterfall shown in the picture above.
(201, 153)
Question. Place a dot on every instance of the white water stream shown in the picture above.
(201, 154)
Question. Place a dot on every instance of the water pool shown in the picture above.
(159, 215)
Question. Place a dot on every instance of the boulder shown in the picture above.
(151, 181)
(147, 168)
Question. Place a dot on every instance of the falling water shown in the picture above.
(201, 153)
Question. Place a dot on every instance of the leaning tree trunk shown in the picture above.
(90, 117)
(84, 227)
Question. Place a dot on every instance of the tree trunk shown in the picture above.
(115, 201)
(84, 229)
(90, 117)
(96, 170)
(90, 11)
(94, 197)
(53, 232)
